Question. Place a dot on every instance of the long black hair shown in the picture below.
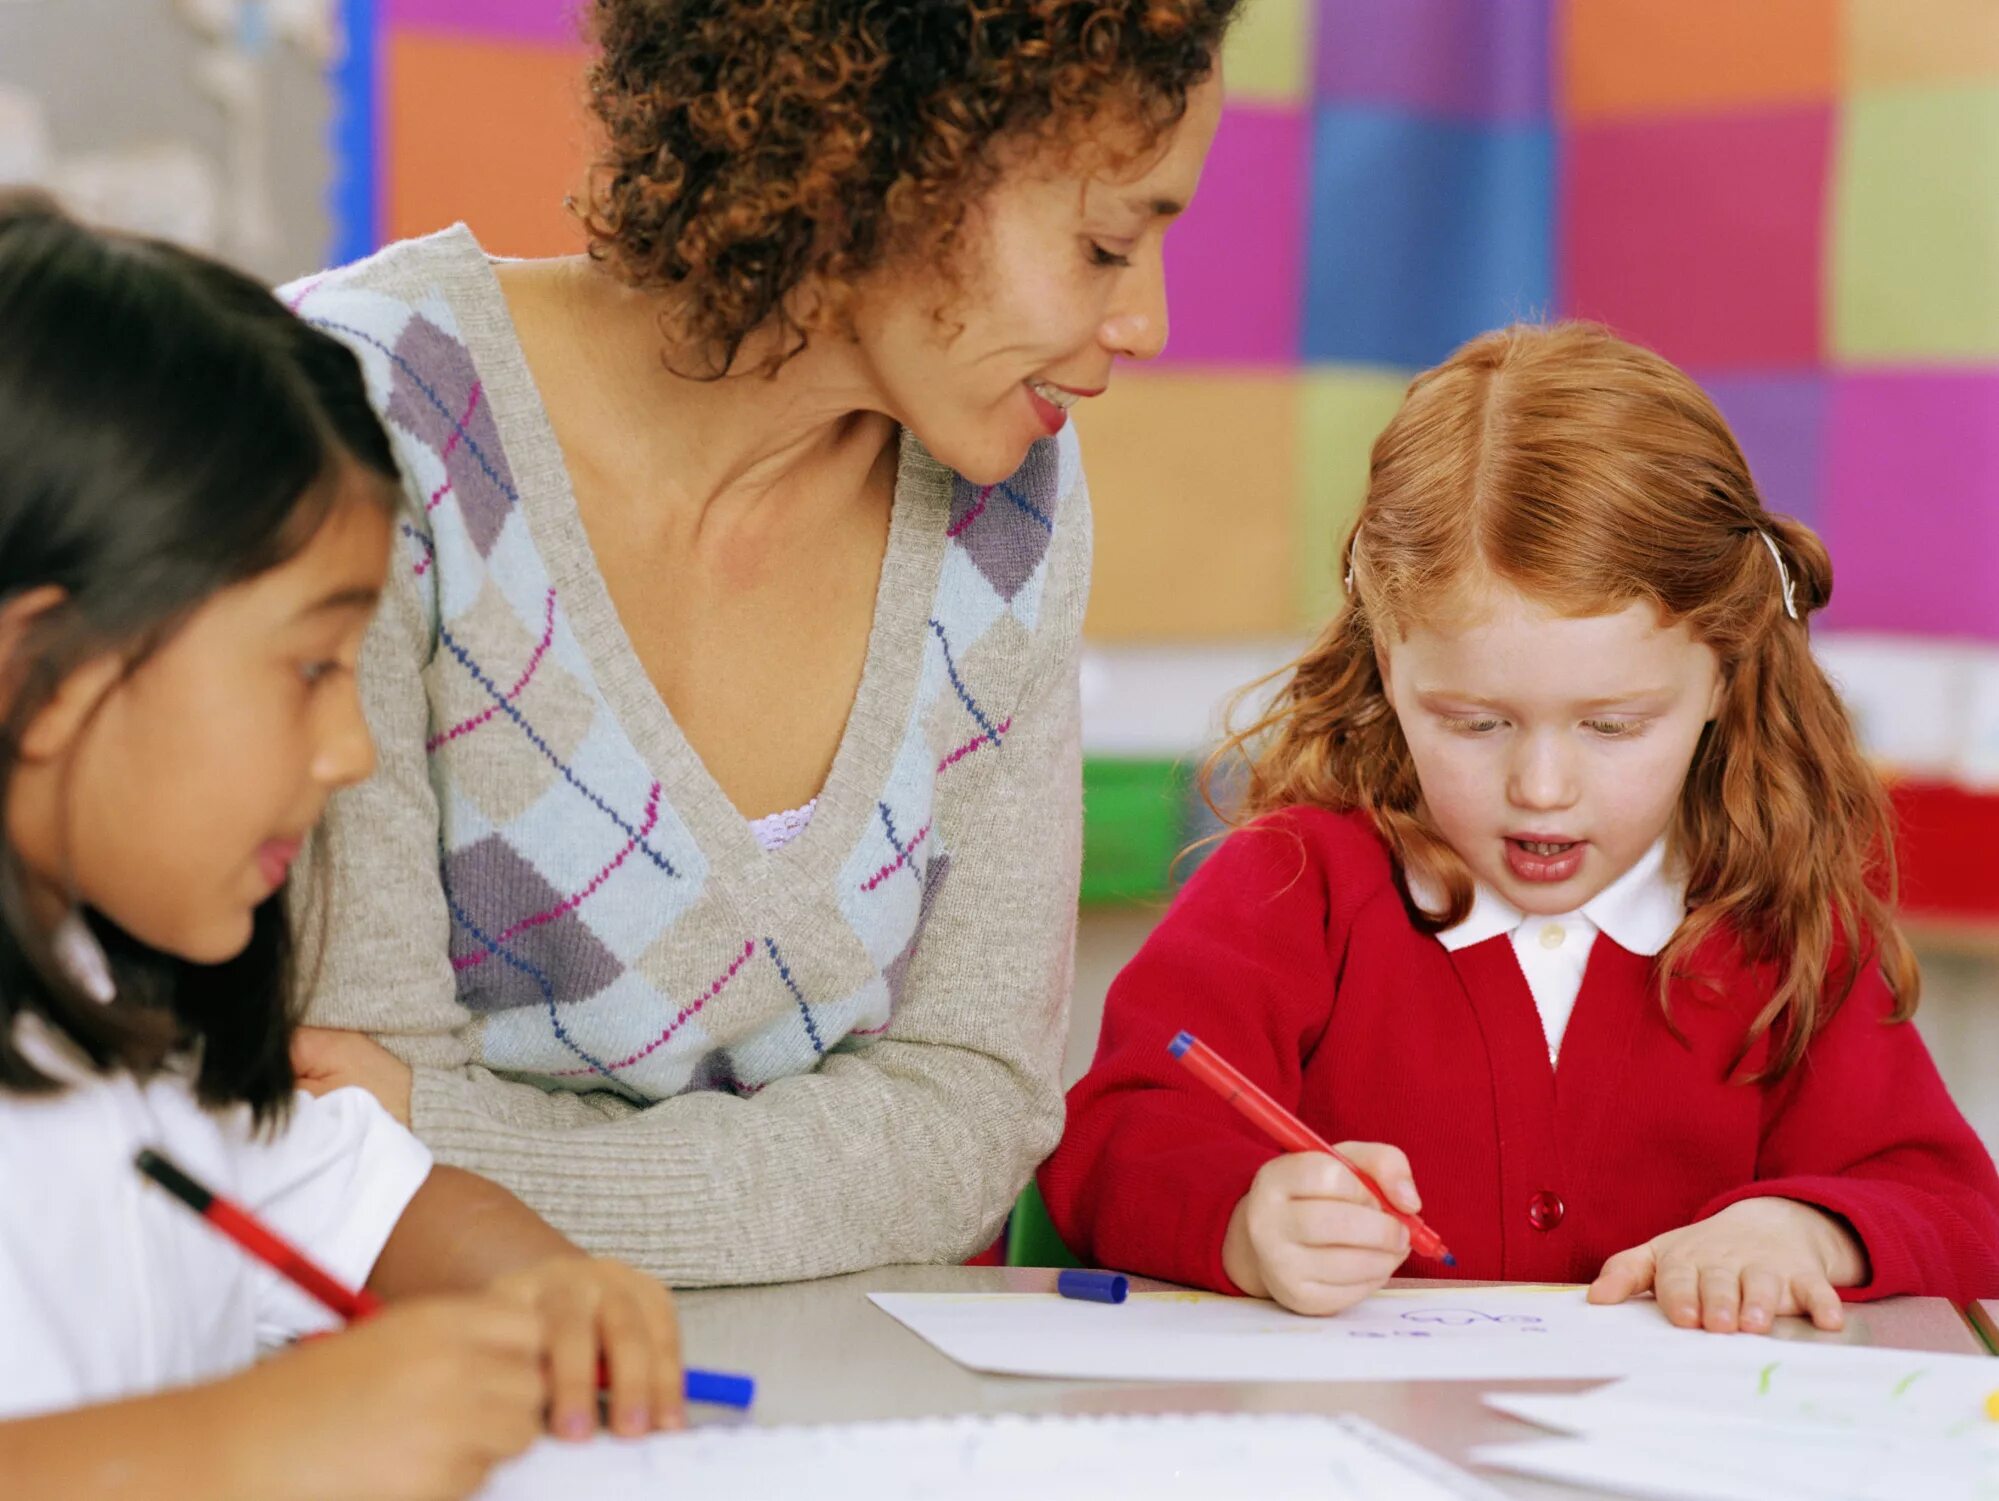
(167, 429)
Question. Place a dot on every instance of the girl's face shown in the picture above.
(173, 799)
(1063, 276)
(1551, 750)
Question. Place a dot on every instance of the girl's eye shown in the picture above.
(1614, 729)
(1100, 256)
(1473, 726)
(316, 672)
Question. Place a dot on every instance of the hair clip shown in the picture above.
(1784, 574)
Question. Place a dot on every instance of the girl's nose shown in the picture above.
(1542, 775)
(346, 751)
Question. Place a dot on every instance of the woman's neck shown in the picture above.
(711, 450)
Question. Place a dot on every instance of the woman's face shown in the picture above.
(1062, 275)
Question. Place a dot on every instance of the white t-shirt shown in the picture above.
(110, 1287)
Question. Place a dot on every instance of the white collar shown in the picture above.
(1640, 910)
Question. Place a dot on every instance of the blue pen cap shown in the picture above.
(1180, 1044)
(718, 1388)
(1092, 1287)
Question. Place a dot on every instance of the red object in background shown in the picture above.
(1947, 844)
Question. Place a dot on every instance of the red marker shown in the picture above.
(280, 1255)
(288, 1261)
(1292, 1134)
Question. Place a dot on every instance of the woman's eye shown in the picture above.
(315, 672)
(1101, 256)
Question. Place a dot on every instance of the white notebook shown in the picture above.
(1005, 1458)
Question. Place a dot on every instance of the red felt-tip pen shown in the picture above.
(350, 1303)
(1292, 1134)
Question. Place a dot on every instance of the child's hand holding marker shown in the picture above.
(1309, 1233)
(587, 1304)
(1320, 1228)
(443, 1388)
(1741, 1268)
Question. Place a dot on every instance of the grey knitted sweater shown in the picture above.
(721, 1063)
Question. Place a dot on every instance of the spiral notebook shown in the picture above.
(1006, 1458)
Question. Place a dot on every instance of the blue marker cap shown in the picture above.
(1092, 1287)
(719, 1388)
(1180, 1044)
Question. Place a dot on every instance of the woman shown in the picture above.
(716, 892)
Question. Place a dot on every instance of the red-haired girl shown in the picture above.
(1561, 888)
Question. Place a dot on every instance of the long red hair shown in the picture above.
(1589, 474)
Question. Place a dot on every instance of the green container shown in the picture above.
(1134, 824)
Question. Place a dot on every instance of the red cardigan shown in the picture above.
(1292, 954)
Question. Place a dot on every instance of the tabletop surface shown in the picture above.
(822, 1353)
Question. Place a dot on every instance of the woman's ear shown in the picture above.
(51, 729)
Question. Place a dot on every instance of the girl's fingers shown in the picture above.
(1389, 1167)
(1762, 1299)
(1625, 1275)
(1676, 1286)
(1721, 1298)
(1324, 1222)
(668, 1394)
(1820, 1299)
(572, 1368)
(627, 1346)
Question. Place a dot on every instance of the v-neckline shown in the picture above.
(918, 521)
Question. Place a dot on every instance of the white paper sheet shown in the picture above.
(1405, 1334)
(1812, 1421)
(1003, 1459)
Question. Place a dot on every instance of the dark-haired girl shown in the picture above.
(194, 523)
(718, 888)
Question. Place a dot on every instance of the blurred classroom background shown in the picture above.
(1796, 199)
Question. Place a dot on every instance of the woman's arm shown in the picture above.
(909, 1150)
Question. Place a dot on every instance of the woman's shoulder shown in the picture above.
(405, 311)
(448, 265)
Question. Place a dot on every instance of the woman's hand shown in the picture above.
(325, 1060)
(1311, 1236)
(589, 1306)
(1741, 1268)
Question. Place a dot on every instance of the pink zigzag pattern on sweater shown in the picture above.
(715, 988)
(431, 745)
(570, 904)
(901, 859)
(969, 746)
(970, 516)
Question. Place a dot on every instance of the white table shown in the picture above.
(821, 1353)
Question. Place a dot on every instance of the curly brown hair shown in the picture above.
(753, 144)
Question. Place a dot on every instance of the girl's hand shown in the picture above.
(1309, 1235)
(1741, 1268)
(325, 1060)
(590, 1306)
(414, 1404)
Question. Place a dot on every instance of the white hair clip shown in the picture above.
(1784, 574)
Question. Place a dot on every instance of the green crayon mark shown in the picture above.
(1906, 1382)
(1763, 1378)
